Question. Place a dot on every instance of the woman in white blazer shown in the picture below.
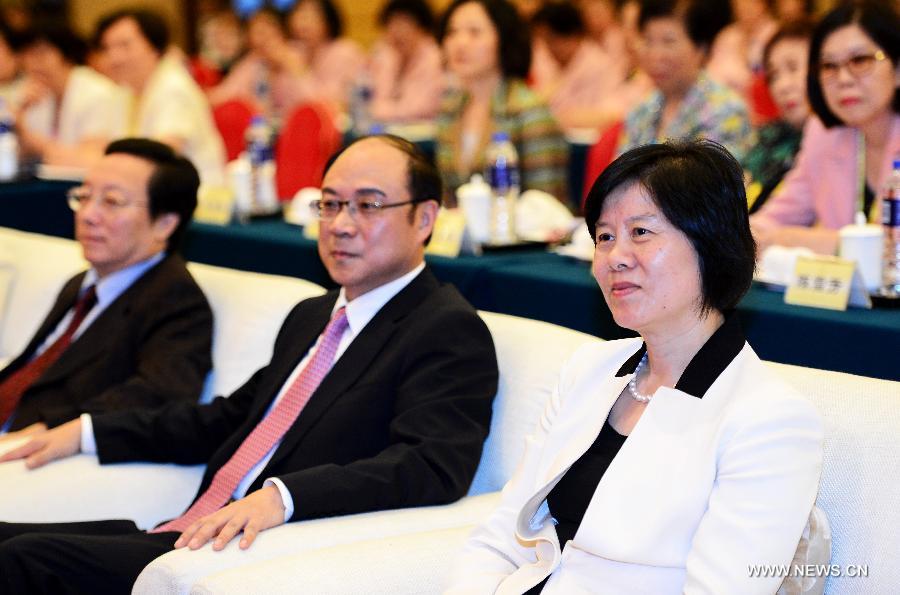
(673, 462)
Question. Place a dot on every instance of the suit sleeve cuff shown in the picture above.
(88, 442)
(286, 498)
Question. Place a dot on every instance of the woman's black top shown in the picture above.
(569, 499)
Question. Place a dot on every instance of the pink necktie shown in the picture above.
(12, 389)
(268, 432)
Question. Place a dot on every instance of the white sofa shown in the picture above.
(248, 310)
(858, 493)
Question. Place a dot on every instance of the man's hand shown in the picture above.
(35, 428)
(261, 510)
(60, 442)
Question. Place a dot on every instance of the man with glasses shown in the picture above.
(377, 396)
(134, 330)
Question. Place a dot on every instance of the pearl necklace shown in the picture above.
(632, 384)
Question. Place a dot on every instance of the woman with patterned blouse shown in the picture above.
(487, 49)
(785, 59)
(686, 104)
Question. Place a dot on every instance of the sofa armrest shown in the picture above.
(414, 563)
(80, 489)
(178, 570)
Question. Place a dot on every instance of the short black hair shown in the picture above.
(562, 18)
(151, 24)
(334, 24)
(699, 187)
(512, 32)
(57, 34)
(703, 19)
(418, 10)
(798, 29)
(173, 184)
(879, 20)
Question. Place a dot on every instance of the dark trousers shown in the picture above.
(88, 557)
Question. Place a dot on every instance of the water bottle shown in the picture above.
(502, 173)
(261, 156)
(9, 145)
(361, 104)
(890, 219)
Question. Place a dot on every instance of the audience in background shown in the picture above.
(737, 53)
(168, 105)
(846, 153)
(793, 10)
(67, 113)
(677, 35)
(406, 67)
(331, 63)
(487, 48)
(572, 72)
(601, 24)
(785, 58)
(264, 78)
(10, 81)
(221, 40)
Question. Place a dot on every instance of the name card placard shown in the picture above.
(214, 205)
(447, 236)
(826, 282)
(311, 229)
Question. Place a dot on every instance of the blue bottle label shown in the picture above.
(890, 211)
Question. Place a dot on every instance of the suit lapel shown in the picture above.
(357, 359)
(63, 304)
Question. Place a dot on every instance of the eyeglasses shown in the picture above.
(108, 201)
(858, 66)
(366, 209)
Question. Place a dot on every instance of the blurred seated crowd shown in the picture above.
(806, 100)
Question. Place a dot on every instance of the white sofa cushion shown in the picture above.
(248, 309)
(530, 354)
(394, 565)
(37, 266)
(178, 570)
(858, 492)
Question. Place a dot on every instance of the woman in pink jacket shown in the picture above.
(846, 153)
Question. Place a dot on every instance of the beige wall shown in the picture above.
(86, 13)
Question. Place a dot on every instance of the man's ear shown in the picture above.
(428, 211)
(164, 226)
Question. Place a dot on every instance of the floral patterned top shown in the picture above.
(769, 160)
(709, 110)
(518, 111)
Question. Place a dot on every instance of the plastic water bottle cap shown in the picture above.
(896, 164)
(257, 119)
(860, 218)
(499, 137)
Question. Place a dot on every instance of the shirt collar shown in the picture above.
(708, 363)
(364, 308)
(110, 287)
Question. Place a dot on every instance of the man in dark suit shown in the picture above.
(377, 396)
(121, 333)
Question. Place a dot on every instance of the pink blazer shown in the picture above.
(822, 188)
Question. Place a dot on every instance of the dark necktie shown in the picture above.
(267, 432)
(12, 389)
